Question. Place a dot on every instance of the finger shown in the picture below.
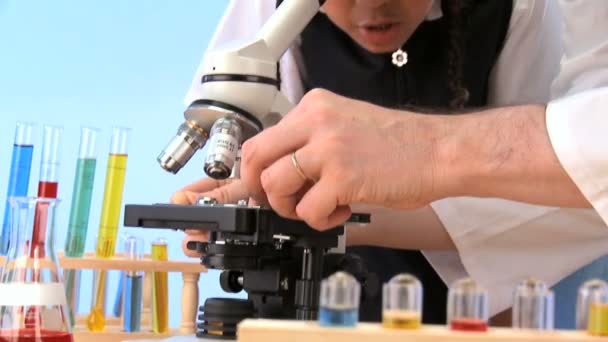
(284, 185)
(320, 208)
(229, 193)
(206, 184)
(192, 238)
(267, 147)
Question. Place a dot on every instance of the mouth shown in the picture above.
(380, 34)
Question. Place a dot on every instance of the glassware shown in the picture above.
(467, 306)
(19, 176)
(533, 306)
(33, 304)
(402, 302)
(133, 286)
(339, 302)
(592, 307)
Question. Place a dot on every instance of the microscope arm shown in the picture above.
(239, 94)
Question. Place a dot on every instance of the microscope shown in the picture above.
(278, 262)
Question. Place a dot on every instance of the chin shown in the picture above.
(380, 49)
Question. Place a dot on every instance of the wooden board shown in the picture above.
(300, 331)
(115, 334)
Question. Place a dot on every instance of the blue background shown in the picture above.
(126, 63)
(105, 63)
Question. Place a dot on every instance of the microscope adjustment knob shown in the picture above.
(231, 281)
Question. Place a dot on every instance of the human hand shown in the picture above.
(224, 191)
(348, 152)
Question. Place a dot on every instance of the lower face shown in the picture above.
(378, 26)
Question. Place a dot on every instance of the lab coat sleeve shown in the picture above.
(241, 21)
(501, 242)
(578, 122)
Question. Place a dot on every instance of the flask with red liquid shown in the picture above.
(33, 306)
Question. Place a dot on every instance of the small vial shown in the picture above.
(533, 306)
(160, 290)
(592, 307)
(402, 302)
(467, 306)
(133, 287)
(339, 302)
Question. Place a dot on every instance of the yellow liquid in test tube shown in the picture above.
(108, 232)
(160, 290)
(401, 319)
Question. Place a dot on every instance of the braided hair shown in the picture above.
(456, 18)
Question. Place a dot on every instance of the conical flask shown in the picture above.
(33, 306)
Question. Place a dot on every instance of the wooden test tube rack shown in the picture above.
(190, 272)
(300, 331)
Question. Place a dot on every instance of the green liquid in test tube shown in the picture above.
(79, 212)
(108, 227)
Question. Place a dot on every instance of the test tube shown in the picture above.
(82, 193)
(592, 307)
(112, 196)
(402, 302)
(533, 306)
(19, 176)
(339, 300)
(48, 183)
(133, 286)
(108, 226)
(467, 306)
(160, 291)
(79, 212)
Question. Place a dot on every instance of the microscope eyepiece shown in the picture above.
(225, 139)
(190, 138)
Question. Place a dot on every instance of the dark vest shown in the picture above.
(331, 60)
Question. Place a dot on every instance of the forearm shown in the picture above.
(504, 153)
(401, 229)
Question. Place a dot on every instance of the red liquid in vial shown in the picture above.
(468, 324)
(34, 335)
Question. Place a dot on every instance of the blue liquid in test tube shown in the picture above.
(19, 176)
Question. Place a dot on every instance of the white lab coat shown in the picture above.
(500, 242)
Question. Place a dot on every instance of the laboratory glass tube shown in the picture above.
(82, 194)
(592, 307)
(533, 306)
(160, 290)
(48, 183)
(467, 306)
(108, 226)
(19, 176)
(133, 286)
(339, 300)
(402, 302)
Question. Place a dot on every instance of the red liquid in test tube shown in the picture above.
(47, 186)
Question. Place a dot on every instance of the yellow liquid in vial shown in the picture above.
(160, 292)
(598, 319)
(401, 319)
